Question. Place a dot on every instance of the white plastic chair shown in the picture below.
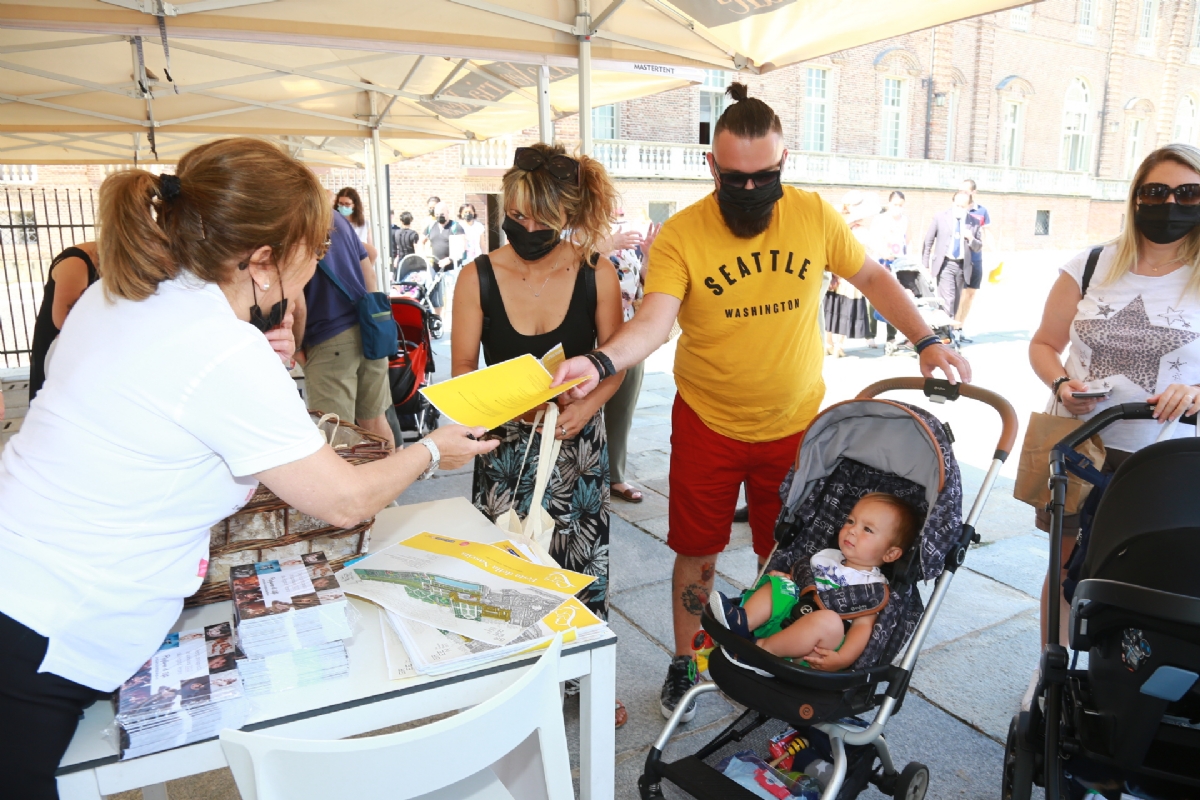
(451, 758)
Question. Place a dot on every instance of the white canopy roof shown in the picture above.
(90, 80)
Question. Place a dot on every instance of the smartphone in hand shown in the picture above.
(1090, 395)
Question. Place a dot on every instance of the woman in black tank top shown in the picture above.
(64, 286)
(530, 295)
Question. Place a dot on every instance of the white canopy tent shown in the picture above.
(373, 81)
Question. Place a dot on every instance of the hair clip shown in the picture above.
(169, 187)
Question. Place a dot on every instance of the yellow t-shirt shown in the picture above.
(749, 360)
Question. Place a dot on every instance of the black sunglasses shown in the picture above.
(738, 180)
(1155, 194)
(560, 166)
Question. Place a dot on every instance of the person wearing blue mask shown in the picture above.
(349, 205)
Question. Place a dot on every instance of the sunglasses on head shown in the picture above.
(738, 180)
(560, 166)
(1155, 194)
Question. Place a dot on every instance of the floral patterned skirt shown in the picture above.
(576, 498)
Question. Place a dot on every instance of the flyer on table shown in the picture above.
(470, 588)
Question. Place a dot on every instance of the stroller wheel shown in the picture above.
(912, 783)
(1018, 766)
(435, 326)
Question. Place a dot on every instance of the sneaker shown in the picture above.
(681, 676)
(741, 514)
(729, 613)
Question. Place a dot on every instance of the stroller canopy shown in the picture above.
(1147, 526)
(894, 438)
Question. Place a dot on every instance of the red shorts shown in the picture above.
(707, 469)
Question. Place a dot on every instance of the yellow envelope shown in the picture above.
(490, 397)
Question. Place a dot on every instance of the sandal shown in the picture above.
(628, 494)
(622, 714)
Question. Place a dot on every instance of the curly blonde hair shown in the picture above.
(587, 209)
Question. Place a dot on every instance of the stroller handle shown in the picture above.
(935, 388)
(1107, 417)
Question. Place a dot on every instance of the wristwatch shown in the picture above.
(435, 458)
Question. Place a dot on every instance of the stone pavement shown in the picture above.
(984, 644)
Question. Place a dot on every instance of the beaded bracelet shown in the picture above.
(927, 341)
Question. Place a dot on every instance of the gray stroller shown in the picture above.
(852, 448)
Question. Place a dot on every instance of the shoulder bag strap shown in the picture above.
(487, 279)
(1090, 268)
(333, 279)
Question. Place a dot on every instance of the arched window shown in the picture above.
(1185, 121)
(1077, 134)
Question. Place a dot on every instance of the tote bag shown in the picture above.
(537, 529)
(1033, 471)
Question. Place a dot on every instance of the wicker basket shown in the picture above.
(267, 528)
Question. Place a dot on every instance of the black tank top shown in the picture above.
(502, 342)
(44, 330)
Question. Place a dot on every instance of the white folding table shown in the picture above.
(365, 700)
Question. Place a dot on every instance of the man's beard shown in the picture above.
(747, 228)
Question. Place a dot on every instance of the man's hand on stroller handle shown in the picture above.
(952, 364)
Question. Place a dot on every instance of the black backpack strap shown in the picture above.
(1090, 268)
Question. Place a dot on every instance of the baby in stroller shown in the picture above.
(786, 614)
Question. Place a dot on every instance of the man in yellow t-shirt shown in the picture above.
(741, 271)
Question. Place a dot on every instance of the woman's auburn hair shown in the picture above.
(356, 218)
(587, 209)
(1127, 240)
(234, 196)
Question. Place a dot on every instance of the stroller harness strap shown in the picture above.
(848, 602)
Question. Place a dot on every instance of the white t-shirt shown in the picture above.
(363, 231)
(830, 571)
(1138, 335)
(475, 231)
(147, 433)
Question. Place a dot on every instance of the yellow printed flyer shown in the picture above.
(469, 588)
(490, 397)
(435, 652)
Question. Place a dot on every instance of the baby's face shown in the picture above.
(867, 538)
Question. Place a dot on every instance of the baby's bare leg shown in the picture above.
(758, 606)
(819, 629)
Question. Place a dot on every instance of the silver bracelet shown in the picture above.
(435, 458)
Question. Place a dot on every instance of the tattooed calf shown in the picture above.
(694, 598)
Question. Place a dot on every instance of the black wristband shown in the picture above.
(927, 341)
(603, 364)
(1058, 382)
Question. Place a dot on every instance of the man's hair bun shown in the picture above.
(737, 92)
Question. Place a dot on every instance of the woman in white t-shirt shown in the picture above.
(165, 407)
(349, 205)
(476, 232)
(1136, 331)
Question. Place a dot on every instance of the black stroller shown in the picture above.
(852, 448)
(1130, 722)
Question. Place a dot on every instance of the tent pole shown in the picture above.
(583, 26)
(545, 113)
(374, 171)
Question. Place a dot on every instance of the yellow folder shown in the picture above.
(490, 397)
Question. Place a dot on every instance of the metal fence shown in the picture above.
(36, 224)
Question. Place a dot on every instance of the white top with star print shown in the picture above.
(1139, 335)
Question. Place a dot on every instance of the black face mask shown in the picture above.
(530, 246)
(748, 211)
(441, 218)
(272, 319)
(1166, 223)
(469, 217)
